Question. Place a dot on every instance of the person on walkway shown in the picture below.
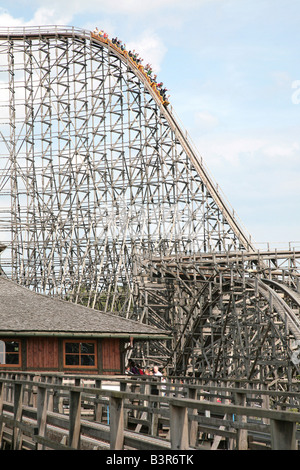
(156, 371)
(133, 369)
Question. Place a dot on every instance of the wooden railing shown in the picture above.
(98, 412)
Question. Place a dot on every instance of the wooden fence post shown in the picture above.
(193, 434)
(283, 435)
(98, 406)
(41, 413)
(36, 378)
(116, 422)
(9, 390)
(50, 395)
(74, 419)
(153, 407)
(242, 434)
(18, 403)
(179, 432)
(57, 399)
(1, 408)
(123, 388)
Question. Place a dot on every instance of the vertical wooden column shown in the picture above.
(266, 405)
(74, 419)
(26, 392)
(50, 394)
(193, 431)
(123, 388)
(1, 408)
(36, 378)
(29, 401)
(18, 403)
(41, 413)
(57, 399)
(116, 423)
(98, 406)
(283, 435)
(242, 434)
(9, 389)
(153, 406)
(179, 432)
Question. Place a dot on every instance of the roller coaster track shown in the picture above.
(289, 319)
(227, 291)
(48, 32)
(25, 35)
(287, 314)
(291, 293)
(93, 131)
(186, 144)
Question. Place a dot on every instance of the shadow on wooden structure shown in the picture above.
(40, 412)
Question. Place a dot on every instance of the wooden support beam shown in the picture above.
(193, 429)
(41, 414)
(283, 435)
(116, 421)
(1, 408)
(98, 406)
(242, 434)
(179, 431)
(18, 403)
(74, 419)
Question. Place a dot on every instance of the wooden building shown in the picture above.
(40, 333)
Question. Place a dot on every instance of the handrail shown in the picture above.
(233, 384)
(42, 30)
(38, 414)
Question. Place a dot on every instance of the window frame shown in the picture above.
(80, 354)
(18, 354)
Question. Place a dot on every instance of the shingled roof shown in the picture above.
(23, 312)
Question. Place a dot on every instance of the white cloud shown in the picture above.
(261, 147)
(150, 48)
(42, 16)
(205, 120)
(6, 20)
(49, 16)
(259, 176)
(227, 150)
(131, 7)
(281, 79)
(290, 151)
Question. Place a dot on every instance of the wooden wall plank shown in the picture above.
(42, 353)
(111, 356)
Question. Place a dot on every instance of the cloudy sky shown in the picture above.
(233, 71)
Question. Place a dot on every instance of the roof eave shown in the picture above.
(87, 334)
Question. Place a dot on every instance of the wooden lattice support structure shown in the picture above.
(234, 315)
(98, 182)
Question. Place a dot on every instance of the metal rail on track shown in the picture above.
(282, 308)
(294, 296)
(222, 257)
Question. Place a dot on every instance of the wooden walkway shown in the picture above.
(101, 413)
